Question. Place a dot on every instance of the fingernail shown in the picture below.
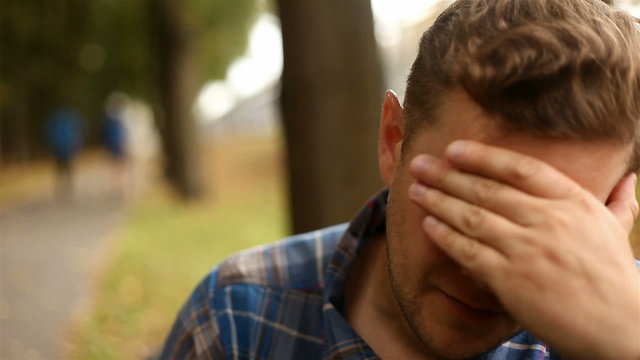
(431, 221)
(420, 163)
(456, 148)
(635, 179)
(416, 190)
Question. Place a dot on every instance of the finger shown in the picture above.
(471, 220)
(622, 201)
(492, 195)
(523, 172)
(468, 252)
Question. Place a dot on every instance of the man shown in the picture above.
(504, 232)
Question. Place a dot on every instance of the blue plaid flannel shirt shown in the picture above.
(285, 301)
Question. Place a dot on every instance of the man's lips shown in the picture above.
(488, 307)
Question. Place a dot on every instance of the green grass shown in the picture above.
(166, 247)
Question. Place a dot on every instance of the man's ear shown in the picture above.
(391, 136)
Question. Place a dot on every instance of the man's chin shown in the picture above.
(461, 347)
(450, 335)
(461, 350)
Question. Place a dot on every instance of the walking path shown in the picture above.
(49, 249)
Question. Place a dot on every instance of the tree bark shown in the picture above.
(178, 129)
(331, 93)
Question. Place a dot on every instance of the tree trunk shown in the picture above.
(331, 95)
(176, 93)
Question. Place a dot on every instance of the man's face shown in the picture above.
(452, 313)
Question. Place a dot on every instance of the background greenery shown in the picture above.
(77, 52)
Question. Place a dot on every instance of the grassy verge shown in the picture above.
(166, 247)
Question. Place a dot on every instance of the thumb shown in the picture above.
(622, 201)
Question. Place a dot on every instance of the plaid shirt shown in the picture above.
(286, 301)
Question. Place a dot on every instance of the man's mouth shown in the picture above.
(476, 309)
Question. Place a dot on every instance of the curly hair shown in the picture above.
(566, 69)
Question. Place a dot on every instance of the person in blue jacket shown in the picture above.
(64, 138)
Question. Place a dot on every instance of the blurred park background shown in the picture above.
(142, 141)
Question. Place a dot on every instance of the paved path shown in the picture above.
(49, 252)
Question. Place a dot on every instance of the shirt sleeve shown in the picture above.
(195, 333)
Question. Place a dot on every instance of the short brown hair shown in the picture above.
(567, 69)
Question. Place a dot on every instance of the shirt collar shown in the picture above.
(341, 341)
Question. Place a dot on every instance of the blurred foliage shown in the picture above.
(228, 23)
(167, 246)
(76, 52)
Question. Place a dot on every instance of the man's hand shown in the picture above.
(557, 258)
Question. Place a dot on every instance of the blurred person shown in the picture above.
(503, 233)
(115, 141)
(63, 132)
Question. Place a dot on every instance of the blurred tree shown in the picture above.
(179, 40)
(331, 93)
(38, 69)
(174, 51)
(75, 52)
